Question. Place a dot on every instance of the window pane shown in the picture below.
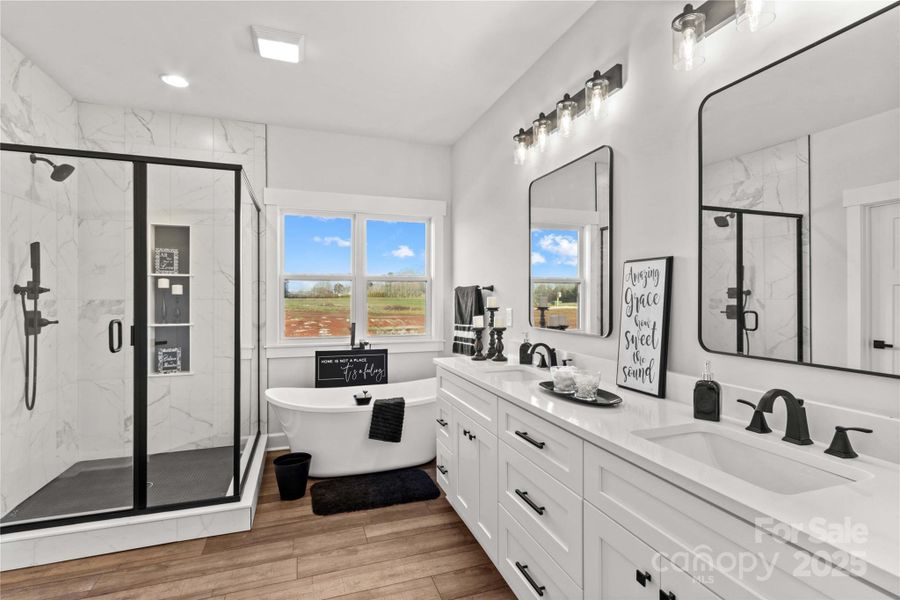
(316, 308)
(395, 248)
(316, 245)
(562, 301)
(396, 308)
(554, 253)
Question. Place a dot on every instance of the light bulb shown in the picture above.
(688, 30)
(541, 131)
(521, 152)
(596, 91)
(751, 16)
(566, 109)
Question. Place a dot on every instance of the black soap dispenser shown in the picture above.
(525, 351)
(707, 397)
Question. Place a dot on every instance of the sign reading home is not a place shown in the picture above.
(341, 368)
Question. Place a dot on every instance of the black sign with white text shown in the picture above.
(342, 368)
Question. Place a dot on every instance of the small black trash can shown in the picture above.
(291, 472)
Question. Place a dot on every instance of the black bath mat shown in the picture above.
(375, 490)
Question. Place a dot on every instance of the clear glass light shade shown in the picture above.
(751, 15)
(688, 32)
(520, 155)
(541, 132)
(566, 109)
(596, 91)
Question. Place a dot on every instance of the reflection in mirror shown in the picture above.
(800, 206)
(569, 246)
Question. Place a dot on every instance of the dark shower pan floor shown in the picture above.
(102, 485)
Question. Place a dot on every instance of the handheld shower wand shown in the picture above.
(34, 323)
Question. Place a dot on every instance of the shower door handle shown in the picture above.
(114, 331)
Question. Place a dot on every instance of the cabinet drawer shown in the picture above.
(477, 403)
(551, 448)
(527, 568)
(545, 508)
(445, 469)
(443, 423)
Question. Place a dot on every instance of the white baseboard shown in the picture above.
(277, 441)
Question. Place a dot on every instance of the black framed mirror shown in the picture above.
(799, 245)
(570, 246)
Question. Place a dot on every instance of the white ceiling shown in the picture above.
(418, 71)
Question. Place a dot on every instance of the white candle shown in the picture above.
(177, 289)
(500, 321)
(491, 302)
(478, 321)
(162, 283)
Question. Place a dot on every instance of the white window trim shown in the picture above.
(281, 202)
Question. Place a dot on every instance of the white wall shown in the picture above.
(302, 159)
(652, 128)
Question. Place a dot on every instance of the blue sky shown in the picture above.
(319, 245)
(554, 253)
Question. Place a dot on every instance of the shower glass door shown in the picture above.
(67, 391)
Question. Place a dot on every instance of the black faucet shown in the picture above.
(551, 355)
(796, 431)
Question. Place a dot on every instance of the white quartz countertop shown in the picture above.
(860, 519)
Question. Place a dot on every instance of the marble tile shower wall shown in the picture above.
(196, 410)
(36, 445)
(774, 179)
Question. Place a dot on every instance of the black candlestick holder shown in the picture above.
(492, 340)
(499, 356)
(479, 345)
(543, 318)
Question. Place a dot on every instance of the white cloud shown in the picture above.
(537, 258)
(402, 252)
(332, 239)
(564, 247)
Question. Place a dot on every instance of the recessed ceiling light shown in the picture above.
(278, 45)
(175, 80)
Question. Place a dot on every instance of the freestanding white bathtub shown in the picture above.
(327, 423)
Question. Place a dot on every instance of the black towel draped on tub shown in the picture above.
(468, 303)
(387, 420)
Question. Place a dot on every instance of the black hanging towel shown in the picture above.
(387, 420)
(469, 303)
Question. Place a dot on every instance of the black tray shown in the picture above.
(601, 398)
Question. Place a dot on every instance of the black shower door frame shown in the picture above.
(139, 337)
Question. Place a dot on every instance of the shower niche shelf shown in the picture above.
(169, 304)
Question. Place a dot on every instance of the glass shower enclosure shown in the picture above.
(130, 334)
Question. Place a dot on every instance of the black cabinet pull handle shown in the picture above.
(523, 569)
(666, 595)
(441, 422)
(114, 327)
(524, 435)
(442, 469)
(471, 436)
(642, 577)
(881, 344)
(524, 496)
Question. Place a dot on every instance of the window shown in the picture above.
(329, 260)
(556, 277)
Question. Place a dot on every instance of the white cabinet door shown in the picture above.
(476, 481)
(617, 565)
(445, 470)
(678, 585)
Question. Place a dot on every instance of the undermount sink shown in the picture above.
(759, 462)
(516, 374)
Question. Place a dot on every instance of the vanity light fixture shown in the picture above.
(566, 110)
(276, 44)
(596, 91)
(590, 98)
(751, 15)
(523, 140)
(541, 131)
(174, 80)
(693, 25)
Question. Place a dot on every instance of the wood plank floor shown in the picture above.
(417, 551)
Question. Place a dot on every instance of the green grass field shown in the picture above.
(311, 317)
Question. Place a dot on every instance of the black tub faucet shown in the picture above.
(796, 431)
(551, 355)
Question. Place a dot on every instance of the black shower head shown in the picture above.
(722, 221)
(59, 173)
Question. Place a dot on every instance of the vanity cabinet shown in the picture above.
(474, 491)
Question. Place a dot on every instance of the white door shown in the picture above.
(884, 257)
(617, 565)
